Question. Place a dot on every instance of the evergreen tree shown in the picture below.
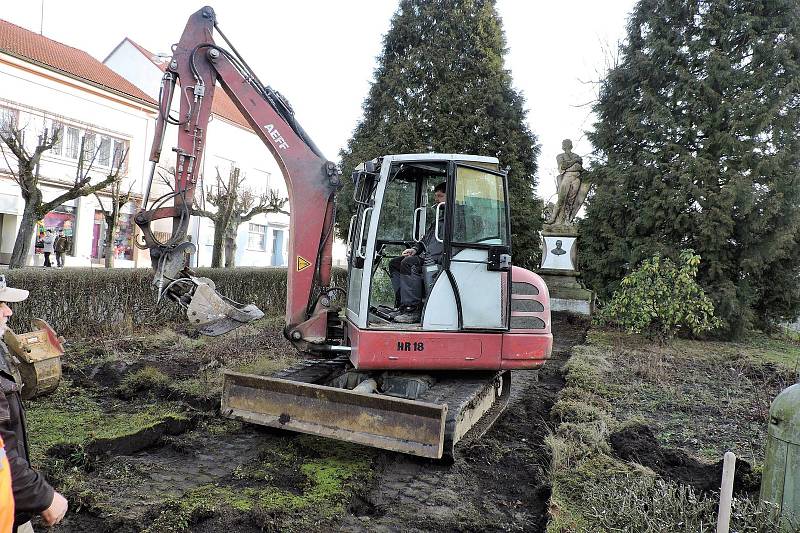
(440, 86)
(698, 137)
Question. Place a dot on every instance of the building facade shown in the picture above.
(104, 110)
(47, 86)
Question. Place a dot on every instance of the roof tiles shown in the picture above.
(30, 46)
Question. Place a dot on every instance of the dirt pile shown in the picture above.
(638, 443)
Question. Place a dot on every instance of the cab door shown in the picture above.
(358, 249)
(473, 292)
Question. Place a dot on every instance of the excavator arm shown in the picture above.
(199, 68)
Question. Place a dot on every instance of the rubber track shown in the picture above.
(315, 370)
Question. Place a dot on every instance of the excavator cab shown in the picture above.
(464, 287)
(467, 287)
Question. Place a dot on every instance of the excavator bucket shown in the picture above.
(211, 312)
(396, 424)
(36, 356)
(216, 314)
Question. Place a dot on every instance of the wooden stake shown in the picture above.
(726, 493)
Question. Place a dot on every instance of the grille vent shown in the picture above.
(526, 322)
(524, 289)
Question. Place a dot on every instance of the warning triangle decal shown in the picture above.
(302, 263)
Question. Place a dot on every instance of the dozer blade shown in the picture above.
(406, 426)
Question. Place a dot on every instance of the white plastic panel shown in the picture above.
(441, 312)
(479, 289)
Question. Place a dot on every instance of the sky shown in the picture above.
(321, 54)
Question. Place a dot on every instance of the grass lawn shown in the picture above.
(641, 428)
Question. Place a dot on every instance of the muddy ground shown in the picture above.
(133, 440)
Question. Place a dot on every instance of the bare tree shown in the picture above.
(27, 177)
(111, 215)
(235, 205)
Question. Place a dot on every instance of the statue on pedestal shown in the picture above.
(572, 190)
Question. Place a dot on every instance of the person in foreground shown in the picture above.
(32, 494)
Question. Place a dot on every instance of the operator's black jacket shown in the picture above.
(32, 494)
(429, 244)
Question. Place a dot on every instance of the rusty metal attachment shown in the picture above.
(407, 426)
(419, 414)
(37, 357)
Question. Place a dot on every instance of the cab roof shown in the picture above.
(443, 157)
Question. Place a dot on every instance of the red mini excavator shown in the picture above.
(417, 387)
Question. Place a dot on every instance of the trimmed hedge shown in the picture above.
(91, 301)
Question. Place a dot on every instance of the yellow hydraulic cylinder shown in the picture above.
(780, 482)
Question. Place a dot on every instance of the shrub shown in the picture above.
(87, 301)
(661, 299)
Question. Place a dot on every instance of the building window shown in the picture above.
(98, 150)
(71, 143)
(257, 237)
(8, 118)
(60, 218)
(56, 128)
(123, 239)
(121, 246)
(89, 155)
(120, 149)
(104, 152)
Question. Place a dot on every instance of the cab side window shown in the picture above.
(479, 215)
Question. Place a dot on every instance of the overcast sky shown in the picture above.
(321, 54)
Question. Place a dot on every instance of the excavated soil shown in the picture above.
(638, 443)
(497, 483)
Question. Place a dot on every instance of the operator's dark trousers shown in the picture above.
(47, 259)
(406, 273)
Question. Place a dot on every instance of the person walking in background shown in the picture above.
(32, 494)
(48, 241)
(60, 247)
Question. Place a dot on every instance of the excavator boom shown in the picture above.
(199, 68)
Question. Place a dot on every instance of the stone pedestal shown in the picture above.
(559, 271)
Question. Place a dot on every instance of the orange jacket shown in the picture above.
(6, 494)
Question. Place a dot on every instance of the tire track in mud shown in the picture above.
(498, 483)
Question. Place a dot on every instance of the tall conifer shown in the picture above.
(440, 86)
(699, 138)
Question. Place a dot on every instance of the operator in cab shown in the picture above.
(406, 270)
